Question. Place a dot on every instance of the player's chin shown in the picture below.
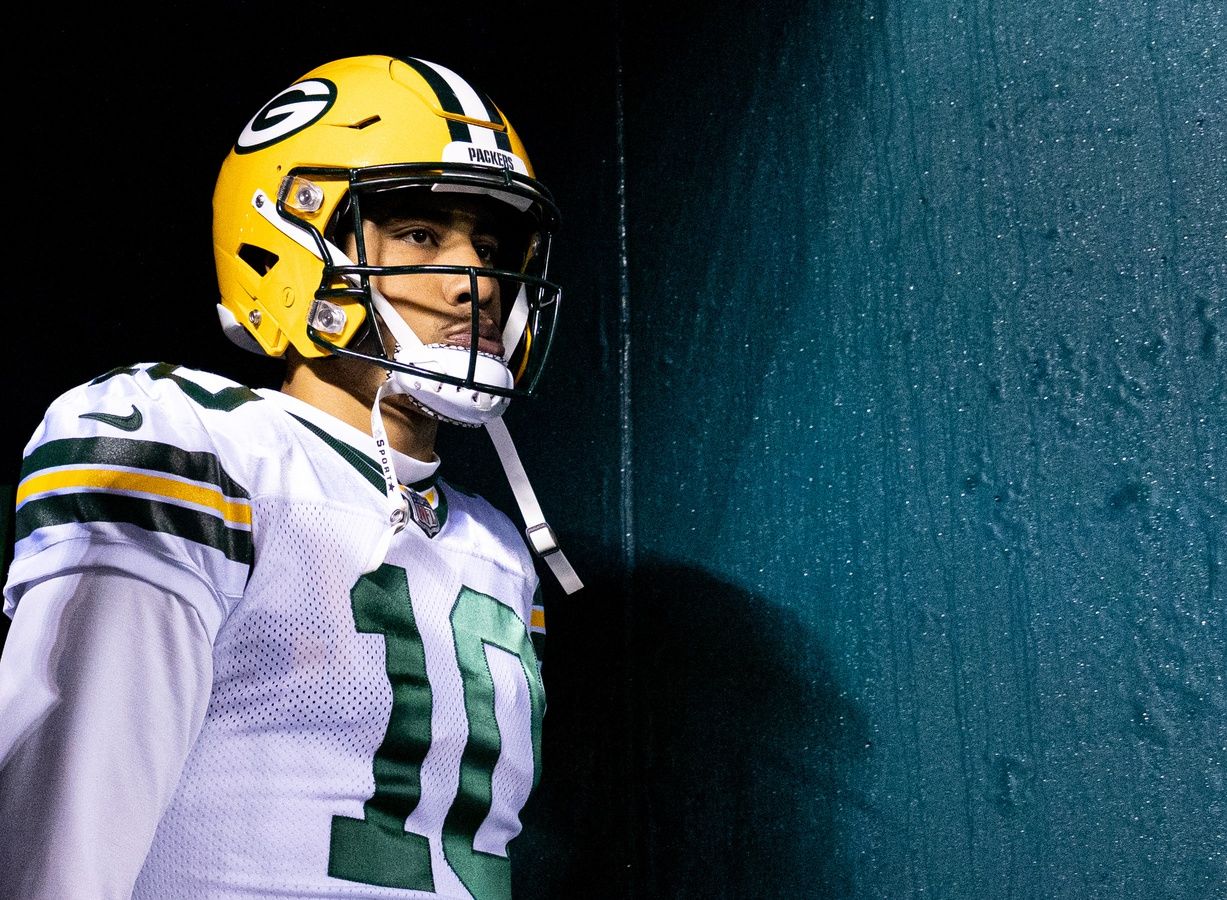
(401, 404)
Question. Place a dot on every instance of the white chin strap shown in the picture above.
(459, 405)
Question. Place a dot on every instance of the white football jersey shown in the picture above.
(374, 728)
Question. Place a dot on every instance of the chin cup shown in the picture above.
(449, 402)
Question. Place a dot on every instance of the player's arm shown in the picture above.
(104, 682)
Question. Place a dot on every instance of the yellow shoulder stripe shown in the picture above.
(233, 511)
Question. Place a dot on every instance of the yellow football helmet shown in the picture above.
(300, 170)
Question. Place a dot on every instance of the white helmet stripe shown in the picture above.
(471, 105)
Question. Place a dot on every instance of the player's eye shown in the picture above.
(419, 236)
(487, 250)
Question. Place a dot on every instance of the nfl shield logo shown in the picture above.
(423, 513)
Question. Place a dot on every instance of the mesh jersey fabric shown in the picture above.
(369, 733)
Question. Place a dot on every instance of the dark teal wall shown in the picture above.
(928, 408)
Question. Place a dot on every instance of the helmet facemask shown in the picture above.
(462, 381)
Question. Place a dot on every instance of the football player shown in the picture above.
(259, 646)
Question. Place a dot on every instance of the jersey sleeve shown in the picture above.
(104, 682)
(132, 543)
(125, 473)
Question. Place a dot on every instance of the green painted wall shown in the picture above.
(927, 453)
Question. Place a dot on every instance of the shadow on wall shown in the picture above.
(697, 745)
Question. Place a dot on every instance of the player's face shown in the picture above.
(447, 231)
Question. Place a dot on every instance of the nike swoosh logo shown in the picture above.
(131, 422)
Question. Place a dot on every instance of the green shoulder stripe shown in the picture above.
(224, 400)
(132, 453)
(122, 370)
(151, 515)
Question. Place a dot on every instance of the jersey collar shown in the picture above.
(413, 473)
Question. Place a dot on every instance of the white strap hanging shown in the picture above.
(540, 536)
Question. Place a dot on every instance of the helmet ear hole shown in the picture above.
(260, 260)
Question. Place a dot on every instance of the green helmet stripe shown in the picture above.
(452, 103)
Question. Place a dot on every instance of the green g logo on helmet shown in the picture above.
(294, 109)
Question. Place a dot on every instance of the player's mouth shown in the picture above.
(488, 338)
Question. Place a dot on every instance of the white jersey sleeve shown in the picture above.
(92, 741)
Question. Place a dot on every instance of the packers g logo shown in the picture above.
(288, 113)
